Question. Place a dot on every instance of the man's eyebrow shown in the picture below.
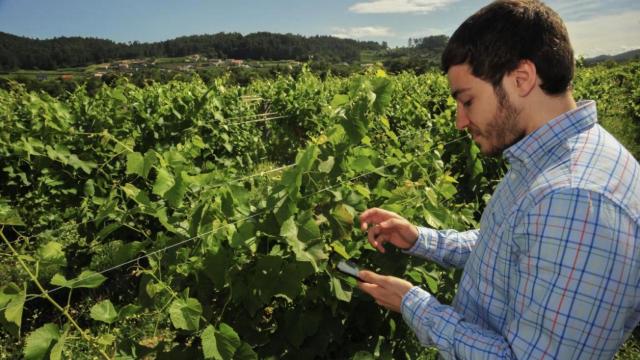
(457, 92)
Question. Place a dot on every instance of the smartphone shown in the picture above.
(349, 268)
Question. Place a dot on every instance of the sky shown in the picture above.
(595, 27)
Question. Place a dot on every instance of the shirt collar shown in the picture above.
(555, 131)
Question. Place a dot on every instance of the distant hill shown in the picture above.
(18, 52)
(625, 56)
(422, 54)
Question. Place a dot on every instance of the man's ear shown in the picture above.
(524, 78)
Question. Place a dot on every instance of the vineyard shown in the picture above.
(190, 220)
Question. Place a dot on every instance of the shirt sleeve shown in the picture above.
(441, 326)
(448, 248)
(574, 287)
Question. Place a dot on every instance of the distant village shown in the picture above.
(188, 63)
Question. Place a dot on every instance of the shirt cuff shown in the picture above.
(433, 323)
(424, 245)
(413, 309)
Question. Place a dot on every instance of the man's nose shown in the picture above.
(462, 121)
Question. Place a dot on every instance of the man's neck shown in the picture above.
(543, 108)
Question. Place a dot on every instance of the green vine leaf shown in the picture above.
(339, 100)
(12, 299)
(40, 343)
(13, 312)
(135, 164)
(129, 310)
(178, 190)
(228, 341)
(164, 182)
(245, 352)
(344, 213)
(361, 164)
(9, 216)
(51, 254)
(56, 351)
(312, 250)
(125, 252)
(104, 311)
(86, 279)
(382, 87)
(209, 344)
(338, 291)
(185, 314)
(327, 165)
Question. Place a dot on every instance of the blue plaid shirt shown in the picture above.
(553, 270)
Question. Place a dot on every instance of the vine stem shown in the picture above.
(50, 299)
(225, 306)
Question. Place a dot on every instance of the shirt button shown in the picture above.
(513, 176)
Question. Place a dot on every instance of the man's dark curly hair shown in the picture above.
(499, 36)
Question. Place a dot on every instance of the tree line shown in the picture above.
(17, 52)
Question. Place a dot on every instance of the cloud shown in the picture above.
(429, 32)
(607, 34)
(362, 32)
(578, 10)
(399, 6)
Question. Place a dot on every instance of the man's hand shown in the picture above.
(388, 227)
(388, 291)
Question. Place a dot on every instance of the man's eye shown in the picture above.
(466, 103)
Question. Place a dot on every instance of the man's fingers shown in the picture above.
(371, 277)
(372, 238)
(373, 290)
(388, 225)
(387, 291)
(382, 233)
(379, 244)
(377, 292)
(375, 239)
(366, 287)
(385, 225)
(375, 216)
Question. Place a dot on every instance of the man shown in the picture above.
(553, 270)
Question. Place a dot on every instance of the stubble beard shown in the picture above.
(504, 130)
